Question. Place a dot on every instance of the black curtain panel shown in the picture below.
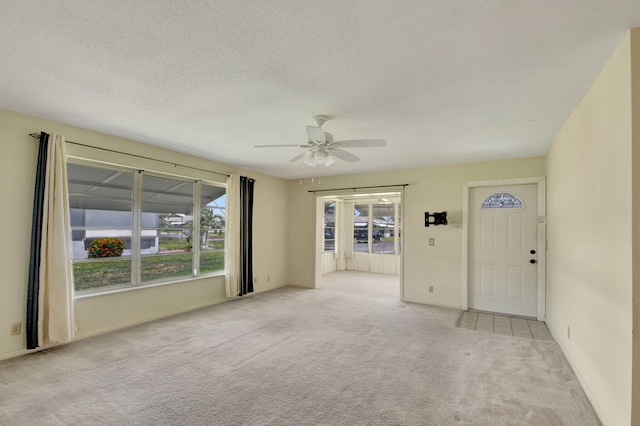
(246, 235)
(33, 284)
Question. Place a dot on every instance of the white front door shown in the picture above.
(503, 249)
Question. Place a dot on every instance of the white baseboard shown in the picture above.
(576, 371)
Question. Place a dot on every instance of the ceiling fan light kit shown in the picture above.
(319, 157)
(322, 149)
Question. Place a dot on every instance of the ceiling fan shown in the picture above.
(322, 149)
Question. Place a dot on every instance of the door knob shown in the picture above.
(532, 261)
(532, 252)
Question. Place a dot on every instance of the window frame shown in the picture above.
(136, 228)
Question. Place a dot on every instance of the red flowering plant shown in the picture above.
(106, 247)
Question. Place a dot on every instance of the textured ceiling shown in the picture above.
(443, 82)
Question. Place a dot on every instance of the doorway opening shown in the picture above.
(359, 238)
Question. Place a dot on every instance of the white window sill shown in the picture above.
(101, 292)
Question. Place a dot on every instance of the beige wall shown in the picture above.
(430, 189)
(98, 314)
(635, 142)
(589, 272)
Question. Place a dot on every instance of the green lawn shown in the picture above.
(92, 274)
(166, 243)
(173, 244)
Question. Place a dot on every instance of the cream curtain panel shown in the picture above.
(232, 237)
(51, 284)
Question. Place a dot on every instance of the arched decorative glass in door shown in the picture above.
(502, 200)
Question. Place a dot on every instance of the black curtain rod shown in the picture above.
(37, 136)
(360, 187)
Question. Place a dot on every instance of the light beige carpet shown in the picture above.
(332, 356)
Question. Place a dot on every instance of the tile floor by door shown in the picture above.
(505, 325)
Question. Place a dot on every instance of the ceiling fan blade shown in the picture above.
(277, 146)
(315, 134)
(361, 143)
(298, 157)
(344, 155)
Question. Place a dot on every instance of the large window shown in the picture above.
(376, 228)
(132, 228)
(383, 224)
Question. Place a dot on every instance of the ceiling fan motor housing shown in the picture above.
(320, 120)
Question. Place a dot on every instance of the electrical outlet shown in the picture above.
(432, 241)
(430, 289)
(16, 328)
(255, 280)
(568, 332)
(268, 279)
